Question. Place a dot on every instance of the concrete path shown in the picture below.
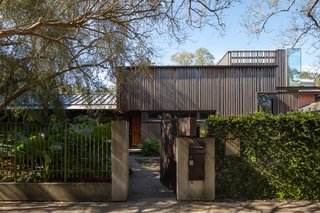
(148, 195)
(144, 182)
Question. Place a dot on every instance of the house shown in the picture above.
(242, 82)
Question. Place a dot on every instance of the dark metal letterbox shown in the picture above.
(196, 161)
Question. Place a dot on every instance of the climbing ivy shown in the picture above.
(280, 156)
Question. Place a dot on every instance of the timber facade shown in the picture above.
(233, 87)
(228, 90)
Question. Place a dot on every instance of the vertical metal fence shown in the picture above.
(57, 153)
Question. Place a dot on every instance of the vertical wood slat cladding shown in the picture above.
(260, 57)
(150, 129)
(281, 75)
(283, 103)
(230, 90)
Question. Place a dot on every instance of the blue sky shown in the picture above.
(235, 38)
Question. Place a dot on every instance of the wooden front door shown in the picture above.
(135, 129)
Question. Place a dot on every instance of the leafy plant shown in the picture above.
(41, 153)
(150, 147)
(280, 156)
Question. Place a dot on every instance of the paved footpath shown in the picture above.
(146, 194)
(157, 206)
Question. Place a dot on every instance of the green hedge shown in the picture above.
(280, 156)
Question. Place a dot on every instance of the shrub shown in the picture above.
(150, 147)
(280, 156)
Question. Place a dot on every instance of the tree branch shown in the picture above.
(311, 16)
(269, 16)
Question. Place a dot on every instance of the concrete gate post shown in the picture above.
(195, 189)
(119, 160)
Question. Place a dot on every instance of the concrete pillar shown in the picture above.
(120, 160)
(195, 189)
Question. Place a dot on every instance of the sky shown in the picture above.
(235, 38)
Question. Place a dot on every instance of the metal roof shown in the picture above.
(90, 101)
(300, 88)
(311, 107)
(71, 102)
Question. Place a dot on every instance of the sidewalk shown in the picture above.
(157, 206)
(146, 194)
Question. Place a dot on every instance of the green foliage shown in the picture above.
(311, 75)
(102, 132)
(83, 119)
(87, 129)
(201, 57)
(37, 144)
(280, 156)
(203, 133)
(150, 147)
(52, 39)
(41, 153)
(183, 58)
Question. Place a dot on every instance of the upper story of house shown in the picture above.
(230, 87)
(195, 88)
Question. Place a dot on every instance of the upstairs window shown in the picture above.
(293, 66)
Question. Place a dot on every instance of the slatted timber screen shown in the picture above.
(229, 90)
(283, 103)
(249, 57)
(150, 129)
(260, 57)
(252, 57)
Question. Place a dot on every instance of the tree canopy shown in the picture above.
(56, 45)
(302, 26)
(311, 75)
(202, 56)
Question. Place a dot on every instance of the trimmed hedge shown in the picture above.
(280, 156)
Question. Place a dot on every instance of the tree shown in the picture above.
(311, 75)
(202, 56)
(60, 44)
(303, 18)
(305, 75)
(183, 58)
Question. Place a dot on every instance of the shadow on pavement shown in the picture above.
(144, 182)
(147, 194)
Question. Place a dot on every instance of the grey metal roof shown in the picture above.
(72, 102)
(300, 88)
(311, 107)
(90, 101)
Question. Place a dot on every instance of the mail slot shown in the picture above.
(196, 161)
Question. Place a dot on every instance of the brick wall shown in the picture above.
(305, 99)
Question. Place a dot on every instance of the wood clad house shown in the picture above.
(240, 83)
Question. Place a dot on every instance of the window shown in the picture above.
(317, 98)
(293, 66)
(265, 103)
(154, 116)
(151, 116)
